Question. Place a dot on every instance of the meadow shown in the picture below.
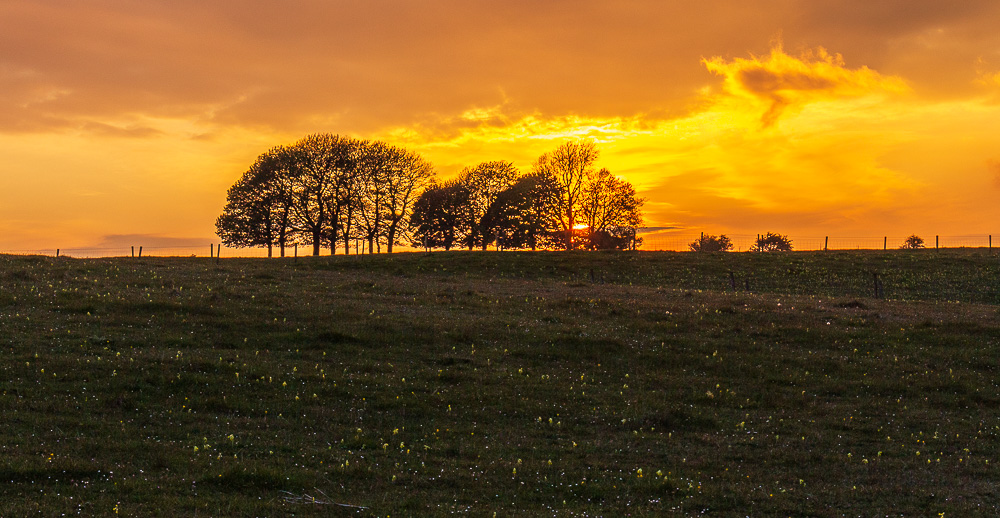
(482, 383)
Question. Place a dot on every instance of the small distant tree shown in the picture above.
(913, 242)
(709, 243)
(771, 242)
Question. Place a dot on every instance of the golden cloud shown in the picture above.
(782, 81)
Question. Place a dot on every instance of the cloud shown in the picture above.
(784, 81)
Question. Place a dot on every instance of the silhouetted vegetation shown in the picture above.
(771, 242)
(710, 243)
(327, 189)
(913, 242)
(322, 190)
(564, 204)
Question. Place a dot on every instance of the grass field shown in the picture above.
(569, 384)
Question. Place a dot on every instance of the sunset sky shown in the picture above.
(125, 122)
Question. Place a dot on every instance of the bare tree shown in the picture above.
(259, 205)
(611, 210)
(324, 166)
(441, 216)
(485, 182)
(571, 165)
(527, 214)
(408, 174)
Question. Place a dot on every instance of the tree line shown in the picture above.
(329, 190)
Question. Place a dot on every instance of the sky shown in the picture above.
(124, 122)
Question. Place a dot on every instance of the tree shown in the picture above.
(772, 243)
(258, 207)
(710, 243)
(526, 215)
(323, 170)
(442, 216)
(611, 211)
(570, 166)
(913, 242)
(324, 188)
(485, 182)
(408, 174)
(390, 180)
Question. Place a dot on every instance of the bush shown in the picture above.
(913, 242)
(772, 243)
(709, 243)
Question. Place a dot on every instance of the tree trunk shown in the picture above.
(270, 250)
(392, 237)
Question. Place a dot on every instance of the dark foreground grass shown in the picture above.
(521, 384)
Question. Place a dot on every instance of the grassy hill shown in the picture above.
(517, 383)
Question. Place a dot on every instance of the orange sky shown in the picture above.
(127, 121)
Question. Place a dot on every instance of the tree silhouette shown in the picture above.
(710, 243)
(442, 216)
(322, 172)
(611, 210)
(324, 188)
(526, 215)
(485, 182)
(570, 165)
(913, 242)
(259, 205)
(772, 243)
(408, 175)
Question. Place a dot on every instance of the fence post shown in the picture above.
(937, 242)
(57, 252)
(140, 251)
(133, 250)
(991, 241)
(885, 243)
(826, 243)
(211, 250)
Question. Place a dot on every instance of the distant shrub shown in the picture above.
(913, 242)
(709, 243)
(771, 242)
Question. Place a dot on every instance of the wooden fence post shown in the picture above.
(937, 242)
(826, 243)
(133, 250)
(991, 241)
(211, 250)
(885, 243)
(140, 251)
(57, 252)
